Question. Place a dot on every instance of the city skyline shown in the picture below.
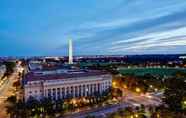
(121, 27)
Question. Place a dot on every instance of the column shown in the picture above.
(89, 89)
(56, 93)
(45, 93)
(65, 95)
(59, 90)
(78, 90)
(74, 91)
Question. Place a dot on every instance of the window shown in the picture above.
(68, 91)
(99, 87)
(76, 91)
(95, 88)
(63, 92)
(84, 90)
(79, 90)
(49, 92)
(58, 91)
(91, 88)
(54, 94)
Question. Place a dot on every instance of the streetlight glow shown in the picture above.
(114, 84)
(138, 90)
(136, 115)
(125, 86)
(184, 102)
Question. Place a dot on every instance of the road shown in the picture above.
(6, 90)
(97, 111)
(130, 99)
(137, 99)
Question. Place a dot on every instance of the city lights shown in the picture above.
(138, 90)
(136, 115)
(114, 84)
(184, 102)
(125, 86)
(91, 59)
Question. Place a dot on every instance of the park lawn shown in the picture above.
(153, 71)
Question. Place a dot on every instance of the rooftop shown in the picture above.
(32, 76)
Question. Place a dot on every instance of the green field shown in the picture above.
(153, 71)
(84, 64)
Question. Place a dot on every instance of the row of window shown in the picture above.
(75, 91)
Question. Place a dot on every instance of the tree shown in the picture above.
(174, 93)
(116, 92)
(9, 67)
(129, 111)
(180, 74)
(33, 105)
(16, 84)
(59, 105)
(11, 106)
(90, 116)
(47, 106)
(21, 109)
(163, 112)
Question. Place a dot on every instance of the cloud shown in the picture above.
(96, 27)
(166, 39)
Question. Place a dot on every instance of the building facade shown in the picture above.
(66, 85)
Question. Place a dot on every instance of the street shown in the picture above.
(6, 90)
(97, 111)
(130, 99)
(138, 99)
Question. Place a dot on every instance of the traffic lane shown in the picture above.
(97, 111)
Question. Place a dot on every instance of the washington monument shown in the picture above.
(70, 60)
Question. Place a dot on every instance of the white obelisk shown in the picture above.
(70, 58)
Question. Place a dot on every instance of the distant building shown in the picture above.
(35, 65)
(67, 84)
(2, 70)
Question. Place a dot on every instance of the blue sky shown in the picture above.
(43, 27)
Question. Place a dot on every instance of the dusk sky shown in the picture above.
(43, 27)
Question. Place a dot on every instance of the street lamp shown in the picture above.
(136, 115)
(125, 86)
(158, 115)
(138, 90)
(114, 84)
(73, 101)
(184, 102)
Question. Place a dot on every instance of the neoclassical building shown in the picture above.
(70, 83)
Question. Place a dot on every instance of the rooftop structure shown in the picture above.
(60, 74)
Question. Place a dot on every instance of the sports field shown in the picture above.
(153, 71)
